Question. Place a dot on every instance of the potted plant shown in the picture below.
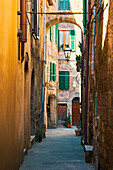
(69, 121)
(78, 131)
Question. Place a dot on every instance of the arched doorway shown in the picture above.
(75, 111)
(51, 112)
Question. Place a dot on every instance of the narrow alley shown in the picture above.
(56, 75)
(60, 150)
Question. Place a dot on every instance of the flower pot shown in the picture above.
(68, 125)
(78, 132)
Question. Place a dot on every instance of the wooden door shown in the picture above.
(62, 113)
(75, 113)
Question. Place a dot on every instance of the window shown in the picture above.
(35, 18)
(64, 5)
(64, 39)
(64, 79)
(52, 71)
(67, 39)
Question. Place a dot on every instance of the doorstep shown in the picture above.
(88, 153)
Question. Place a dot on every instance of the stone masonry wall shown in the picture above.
(100, 112)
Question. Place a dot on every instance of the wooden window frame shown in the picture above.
(64, 39)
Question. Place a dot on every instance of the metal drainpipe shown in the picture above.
(23, 26)
(82, 72)
(87, 74)
(43, 78)
(57, 85)
(93, 42)
(97, 63)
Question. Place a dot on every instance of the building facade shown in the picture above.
(15, 85)
(97, 99)
(69, 81)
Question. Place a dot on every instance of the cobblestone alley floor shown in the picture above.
(60, 150)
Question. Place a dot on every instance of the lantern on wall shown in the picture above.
(67, 52)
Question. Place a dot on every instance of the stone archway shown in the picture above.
(56, 19)
(51, 112)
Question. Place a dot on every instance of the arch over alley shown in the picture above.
(56, 19)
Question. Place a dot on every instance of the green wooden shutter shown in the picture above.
(64, 5)
(67, 78)
(61, 80)
(72, 34)
(51, 71)
(67, 5)
(61, 4)
(54, 72)
(84, 13)
(56, 34)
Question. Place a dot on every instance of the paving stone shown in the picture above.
(61, 150)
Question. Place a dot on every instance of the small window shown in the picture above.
(64, 39)
(64, 5)
(52, 71)
(67, 39)
(35, 18)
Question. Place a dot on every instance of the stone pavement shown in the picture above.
(60, 150)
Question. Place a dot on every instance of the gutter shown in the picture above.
(93, 41)
(43, 78)
(87, 76)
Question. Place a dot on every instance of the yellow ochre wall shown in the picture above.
(13, 83)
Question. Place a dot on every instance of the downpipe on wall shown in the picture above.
(23, 27)
(96, 150)
(43, 76)
(87, 75)
(93, 42)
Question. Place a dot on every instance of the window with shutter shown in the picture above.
(64, 5)
(64, 79)
(51, 71)
(72, 34)
(54, 72)
(51, 33)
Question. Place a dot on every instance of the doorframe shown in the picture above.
(69, 103)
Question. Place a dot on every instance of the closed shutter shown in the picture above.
(64, 5)
(66, 79)
(61, 80)
(54, 67)
(51, 71)
(67, 5)
(61, 4)
(72, 34)
(56, 34)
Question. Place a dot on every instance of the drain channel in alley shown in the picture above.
(60, 150)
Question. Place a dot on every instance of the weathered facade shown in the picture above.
(37, 42)
(52, 21)
(14, 87)
(50, 103)
(51, 79)
(67, 95)
(97, 100)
